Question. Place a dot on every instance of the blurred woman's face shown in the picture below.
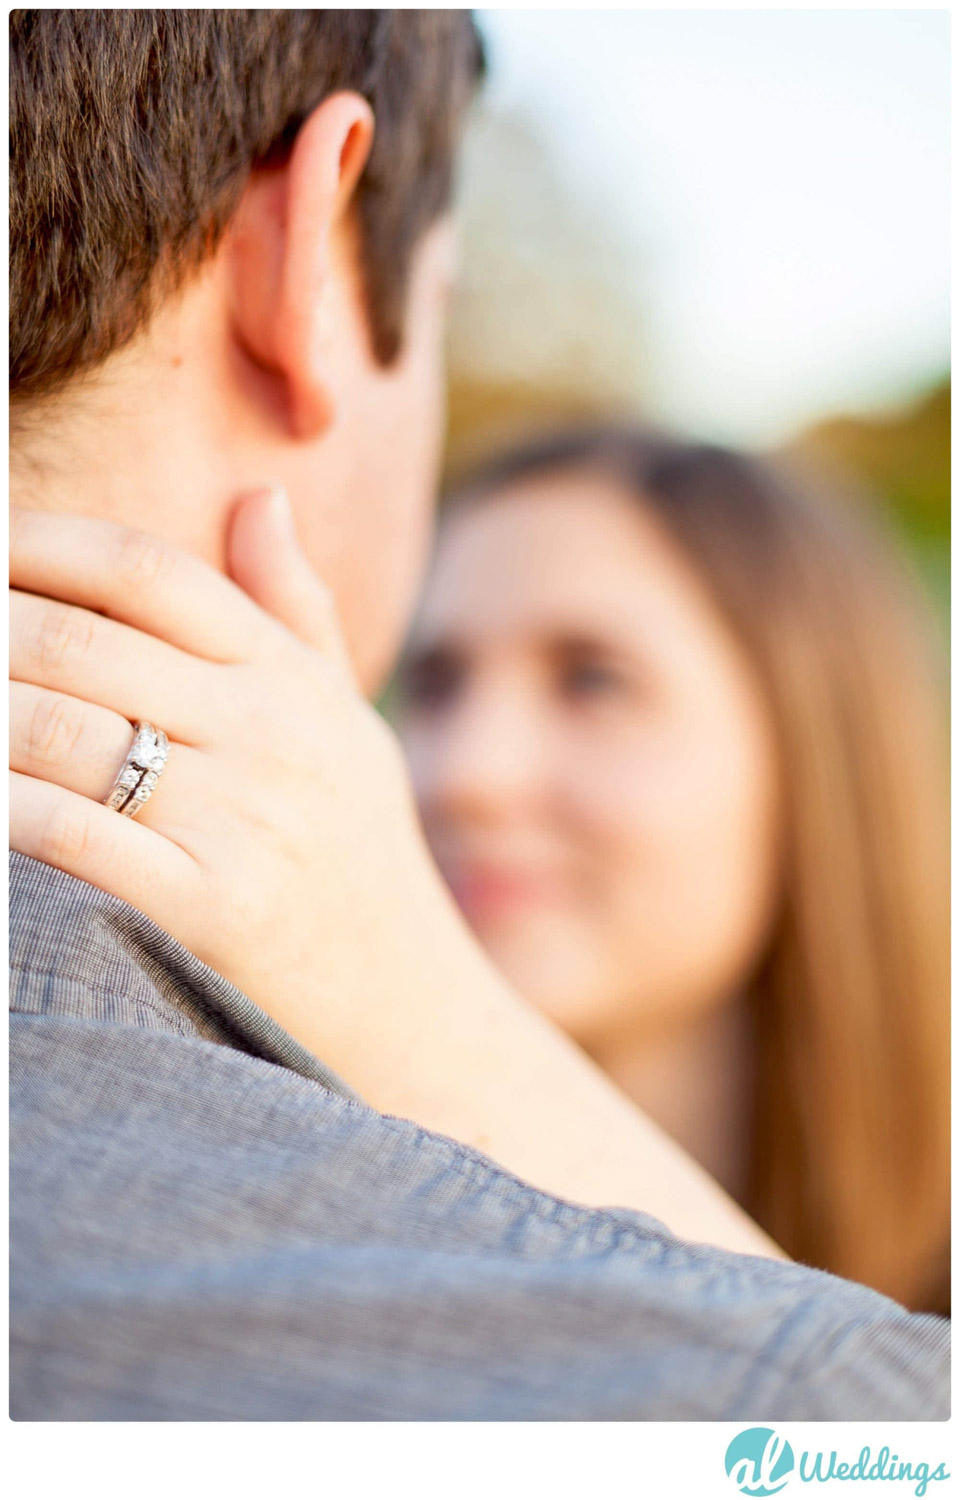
(592, 757)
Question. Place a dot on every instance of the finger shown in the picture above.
(266, 560)
(75, 744)
(139, 579)
(85, 839)
(74, 651)
(82, 748)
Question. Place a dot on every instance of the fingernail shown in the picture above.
(281, 512)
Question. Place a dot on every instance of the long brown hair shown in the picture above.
(850, 1168)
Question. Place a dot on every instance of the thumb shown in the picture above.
(265, 559)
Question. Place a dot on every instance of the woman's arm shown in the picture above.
(282, 847)
(459, 1051)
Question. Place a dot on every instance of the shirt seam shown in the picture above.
(178, 1027)
(94, 988)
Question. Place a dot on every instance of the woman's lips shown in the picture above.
(485, 893)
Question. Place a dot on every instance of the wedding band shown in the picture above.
(140, 771)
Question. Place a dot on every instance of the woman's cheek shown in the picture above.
(691, 873)
(637, 841)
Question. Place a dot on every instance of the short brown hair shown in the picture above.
(133, 132)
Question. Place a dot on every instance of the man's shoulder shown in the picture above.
(182, 1211)
(205, 1231)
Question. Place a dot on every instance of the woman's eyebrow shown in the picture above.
(580, 641)
(552, 632)
(611, 639)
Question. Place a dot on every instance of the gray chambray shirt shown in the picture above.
(208, 1224)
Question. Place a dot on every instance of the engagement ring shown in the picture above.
(140, 771)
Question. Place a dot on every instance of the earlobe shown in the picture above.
(280, 264)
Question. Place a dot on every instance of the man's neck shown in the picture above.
(132, 443)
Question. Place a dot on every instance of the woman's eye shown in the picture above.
(430, 682)
(585, 680)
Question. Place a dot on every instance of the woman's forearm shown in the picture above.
(451, 1046)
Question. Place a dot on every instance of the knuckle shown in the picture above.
(65, 837)
(20, 521)
(55, 729)
(142, 560)
(65, 634)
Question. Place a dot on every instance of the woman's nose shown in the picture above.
(484, 760)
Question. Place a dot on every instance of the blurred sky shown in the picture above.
(785, 177)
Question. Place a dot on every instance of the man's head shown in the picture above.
(229, 251)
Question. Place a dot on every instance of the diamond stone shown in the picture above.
(141, 770)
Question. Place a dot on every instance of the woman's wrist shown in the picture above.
(441, 1039)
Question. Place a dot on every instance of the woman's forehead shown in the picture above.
(557, 553)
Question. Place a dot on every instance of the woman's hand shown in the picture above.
(282, 848)
(281, 839)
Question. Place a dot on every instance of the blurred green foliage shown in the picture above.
(903, 457)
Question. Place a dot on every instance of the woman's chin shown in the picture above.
(548, 978)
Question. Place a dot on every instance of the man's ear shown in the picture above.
(279, 261)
